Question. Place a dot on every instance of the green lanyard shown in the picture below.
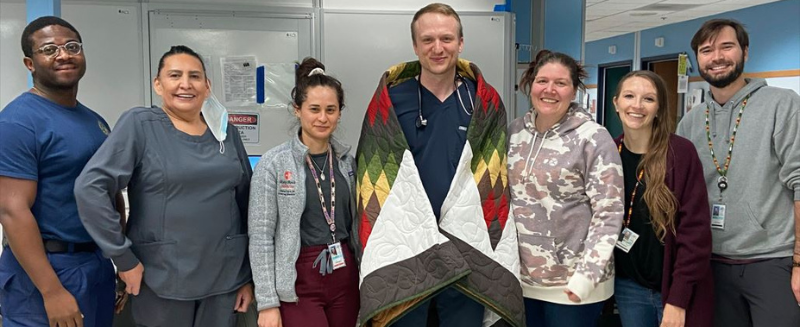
(722, 181)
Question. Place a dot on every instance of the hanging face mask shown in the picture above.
(216, 116)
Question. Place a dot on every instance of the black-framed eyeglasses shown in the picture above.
(73, 48)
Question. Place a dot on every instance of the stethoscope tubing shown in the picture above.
(421, 121)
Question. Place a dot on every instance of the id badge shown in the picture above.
(718, 216)
(626, 240)
(337, 256)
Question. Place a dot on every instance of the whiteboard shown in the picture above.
(14, 78)
(113, 80)
(357, 47)
(273, 38)
(459, 6)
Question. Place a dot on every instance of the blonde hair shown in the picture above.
(436, 8)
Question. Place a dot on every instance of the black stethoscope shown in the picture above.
(422, 122)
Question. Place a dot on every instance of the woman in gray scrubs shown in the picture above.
(183, 254)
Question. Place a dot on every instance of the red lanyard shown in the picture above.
(627, 221)
(328, 217)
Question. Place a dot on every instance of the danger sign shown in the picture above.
(248, 126)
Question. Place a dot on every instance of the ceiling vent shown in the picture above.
(669, 7)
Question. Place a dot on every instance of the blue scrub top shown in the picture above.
(436, 147)
(48, 143)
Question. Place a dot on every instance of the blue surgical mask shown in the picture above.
(216, 116)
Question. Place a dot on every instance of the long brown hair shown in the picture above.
(661, 203)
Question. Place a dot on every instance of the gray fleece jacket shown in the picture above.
(277, 199)
(764, 173)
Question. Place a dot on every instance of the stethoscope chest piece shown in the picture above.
(422, 121)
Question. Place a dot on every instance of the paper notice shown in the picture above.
(239, 80)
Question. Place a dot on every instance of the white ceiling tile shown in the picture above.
(631, 17)
(615, 6)
(689, 14)
(723, 7)
(604, 23)
(752, 2)
(607, 18)
(622, 29)
(650, 19)
(593, 17)
(641, 2)
(691, 2)
(600, 35)
(604, 12)
(642, 26)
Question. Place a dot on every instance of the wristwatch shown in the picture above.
(796, 264)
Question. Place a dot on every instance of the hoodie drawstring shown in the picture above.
(221, 147)
(528, 160)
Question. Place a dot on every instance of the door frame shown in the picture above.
(656, 59)
(601, 86)
(681, 96)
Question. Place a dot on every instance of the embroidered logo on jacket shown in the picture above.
(286, 186)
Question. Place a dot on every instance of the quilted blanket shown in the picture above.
(405, 256)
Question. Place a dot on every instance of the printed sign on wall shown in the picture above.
(247, 124)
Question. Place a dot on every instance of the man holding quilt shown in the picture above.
(432, 226)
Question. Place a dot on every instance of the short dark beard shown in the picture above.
(49, 81)
(722, 82)
(56, 86)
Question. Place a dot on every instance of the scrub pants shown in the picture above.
(150, 310)
(87, 276)
(323, 301)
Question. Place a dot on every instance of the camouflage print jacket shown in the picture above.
(566, 198)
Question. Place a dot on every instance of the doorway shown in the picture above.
(667, 68)
(610, 75)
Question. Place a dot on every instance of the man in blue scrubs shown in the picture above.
(432, 184)
(434, 111)
(51, 273)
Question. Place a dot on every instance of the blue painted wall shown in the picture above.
(522, 10)
(597, 53)
(38, 8)
(774, 30)
(563, 29)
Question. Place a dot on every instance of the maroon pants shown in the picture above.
(325, 301)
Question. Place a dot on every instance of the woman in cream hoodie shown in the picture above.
(566, 197)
